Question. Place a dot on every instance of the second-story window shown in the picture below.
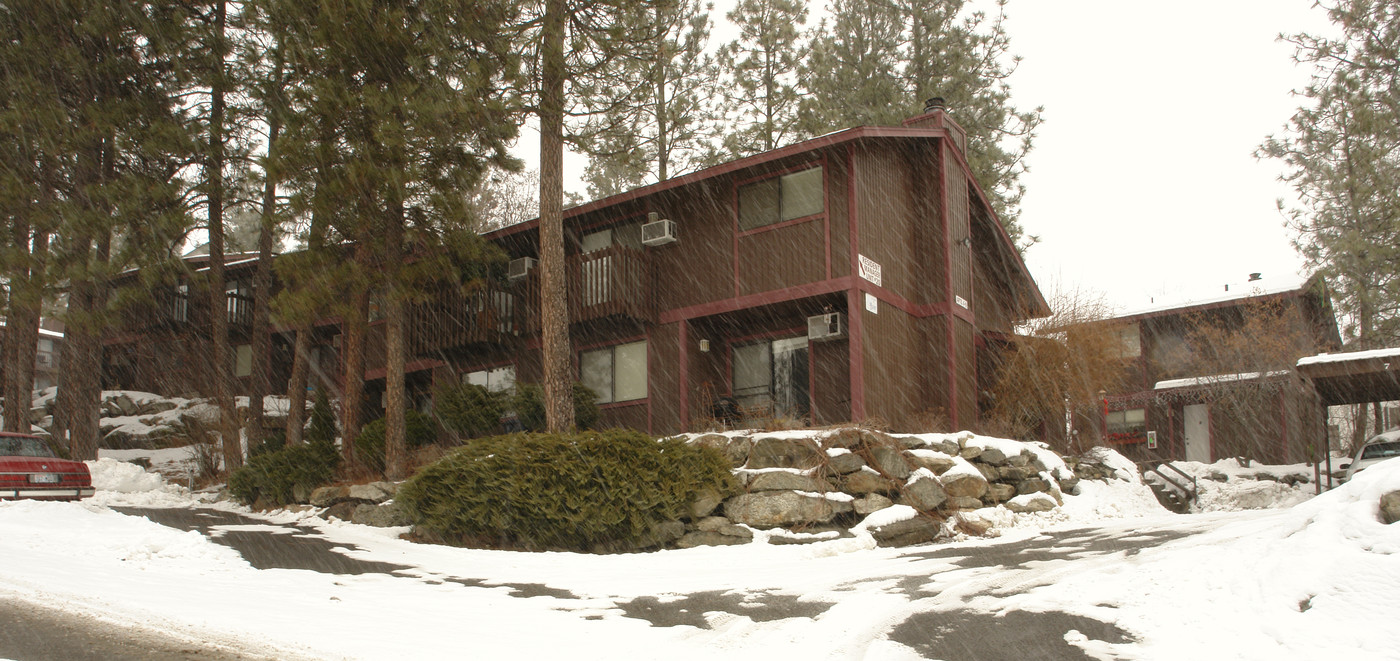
(1127, 341)
(778, 199)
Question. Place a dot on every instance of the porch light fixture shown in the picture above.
(704, 346)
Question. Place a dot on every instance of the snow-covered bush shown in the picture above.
(576, 491)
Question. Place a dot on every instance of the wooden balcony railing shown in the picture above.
(451, 319)
(608, 283)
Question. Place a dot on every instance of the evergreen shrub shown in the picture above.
(528, 403)
(578, 491)
(369, 445)
(284, 476)
(467, 410)
(322, 426)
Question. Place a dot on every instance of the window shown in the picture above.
(1130, 422)
(243, 360)
(1128, 342)
(778, 199)
(617, 373)
(495, 379)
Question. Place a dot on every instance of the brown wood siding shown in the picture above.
(959, 228)
(663, 378)
(993, 300)
(885, 216)
(627, 415)
(965, 366)
(831, 381)
(838, 213)
(782, 257)
(895, 374)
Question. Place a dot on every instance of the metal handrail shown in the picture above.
(1190, 492)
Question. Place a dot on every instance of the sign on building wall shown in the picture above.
(872, 304)
(1152, 440)
(869, 270)
(962, 302)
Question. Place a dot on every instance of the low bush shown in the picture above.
(528, 403)
(577, 491)
(467, 410)
(369, 445)
(284, 476)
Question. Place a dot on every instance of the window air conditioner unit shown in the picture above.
(519, 268)
(828, 326)
(658, 232)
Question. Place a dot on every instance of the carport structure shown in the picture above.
(1357, 377)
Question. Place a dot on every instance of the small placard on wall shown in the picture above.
(962, 302)
(1152, 440)
(869, 269)
(872, 304)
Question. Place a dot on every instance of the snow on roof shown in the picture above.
(1218, 378)
(1264, 287)
(1391, 352)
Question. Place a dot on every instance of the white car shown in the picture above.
(1381, 447)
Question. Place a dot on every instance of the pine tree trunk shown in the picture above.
(218, 297)
(558, 393)
(395, 397)
(22, 328)
(352, 401)
(262, 295)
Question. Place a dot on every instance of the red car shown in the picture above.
(29, 469)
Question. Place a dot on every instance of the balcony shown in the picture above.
(452, 319)
(603, 284)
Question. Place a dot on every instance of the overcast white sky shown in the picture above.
(1143, 182)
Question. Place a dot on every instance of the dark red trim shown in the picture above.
(829, 140)
(951, 367)
(781, 225)
(796, 331)
(618, 219)
(755, 300)
(683, 361)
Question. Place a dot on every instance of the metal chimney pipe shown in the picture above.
(935, 103)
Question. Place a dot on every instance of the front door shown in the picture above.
(770, 379)
(1197, 432)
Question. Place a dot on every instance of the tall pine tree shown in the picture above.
(759, 72)
(877, 61)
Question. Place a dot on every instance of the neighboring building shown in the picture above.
(1213, 379)
(47, 353)
(861, 275)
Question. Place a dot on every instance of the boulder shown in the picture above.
(923, 492)
(344, 510)
(388, 515)
(992, 455)
(945, 445)
(871, 503)
(918, 530)
(845, 438)
(913, 442)
(125, 405)
(1033, 485)
(705, 502)
(963, 484)
(970, 452)
(866, 480)
(374, 492)
(327, 496)
(809, 535)
(963, 503)
(1016, 473)
(785, 481)
(989, 472)
(845, 462)
(766, 509)
(1068, 484)
(772, 452)
(1022, 459)
(735, 450)
(1390, 507)
(1033, 502)
(971, 523)
(889, 461)
(937, 462)
(691, 540)
(722, 526)
(1000, 493)
(155, 406)
(661, 534)
(37, 415)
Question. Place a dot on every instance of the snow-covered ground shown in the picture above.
(1317, 580)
